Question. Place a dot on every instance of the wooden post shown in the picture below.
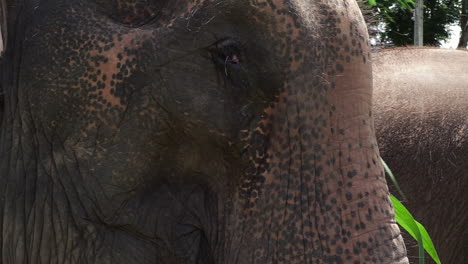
(418, 23)
(463, 43)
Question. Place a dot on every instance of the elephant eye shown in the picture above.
(227, 53)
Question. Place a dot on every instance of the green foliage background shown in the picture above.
(397, 16)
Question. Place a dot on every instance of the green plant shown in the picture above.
(406, 220)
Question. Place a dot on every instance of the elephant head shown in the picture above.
(183, 131)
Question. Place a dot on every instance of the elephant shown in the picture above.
(420, 106)
(183, 131)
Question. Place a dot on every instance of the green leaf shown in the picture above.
(407, 222)
(392, 178)
(428, 246)
(415, 229)
(404, 4)
(386, 12)
(372, 2)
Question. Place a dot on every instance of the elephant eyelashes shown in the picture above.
(134, 13)
(227, 54)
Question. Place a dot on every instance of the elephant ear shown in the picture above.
(3, 26)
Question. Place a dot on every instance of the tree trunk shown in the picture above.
(463, 43)
(3, 26)
(418, 23)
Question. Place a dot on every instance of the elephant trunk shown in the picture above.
(318, 194)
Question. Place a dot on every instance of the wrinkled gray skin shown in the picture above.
(421, 106)
(190, 131)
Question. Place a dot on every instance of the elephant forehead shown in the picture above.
(330, 35)
(96, 59)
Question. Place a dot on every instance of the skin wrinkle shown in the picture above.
(300, 150)
(288, 182)
(302, 181)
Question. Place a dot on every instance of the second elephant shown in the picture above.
(421, 118)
